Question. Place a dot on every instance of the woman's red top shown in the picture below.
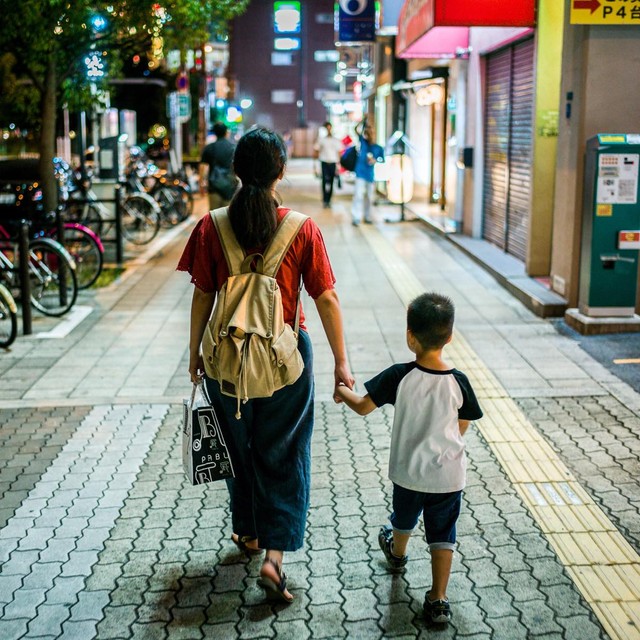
(204, 259)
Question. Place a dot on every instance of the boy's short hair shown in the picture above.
(430, 318)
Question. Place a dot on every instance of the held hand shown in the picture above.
(342, 374)
(196, 369)
(337, 398)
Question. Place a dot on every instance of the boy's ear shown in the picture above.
(449, 339)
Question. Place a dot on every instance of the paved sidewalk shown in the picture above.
(101, 537)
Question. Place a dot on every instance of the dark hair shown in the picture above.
(259, 160)
(430, 318)
(220, 129)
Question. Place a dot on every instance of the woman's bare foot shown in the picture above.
(246, 544)
(274, 581)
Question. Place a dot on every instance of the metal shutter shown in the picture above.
(508, 140)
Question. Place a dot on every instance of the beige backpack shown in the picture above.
(247, 346)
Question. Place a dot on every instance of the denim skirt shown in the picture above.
(270, 446)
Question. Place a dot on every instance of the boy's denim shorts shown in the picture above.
(440, 513)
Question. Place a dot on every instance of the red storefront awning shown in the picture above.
(439, 28)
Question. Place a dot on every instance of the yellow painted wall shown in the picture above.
(548, 71)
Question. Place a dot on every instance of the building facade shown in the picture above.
(283, 64)
(500, 108)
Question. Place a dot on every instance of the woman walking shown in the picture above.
(272, 439)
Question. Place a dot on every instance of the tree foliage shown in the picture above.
(44, 45)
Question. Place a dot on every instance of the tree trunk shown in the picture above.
(48, 136)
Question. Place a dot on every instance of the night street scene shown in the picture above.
(320, 319)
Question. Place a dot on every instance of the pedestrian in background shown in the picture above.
(328, 149)
(368, 155)
(216, 173)
(434, 404)
(271, 442)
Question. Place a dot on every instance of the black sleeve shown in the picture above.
(206, 155)
(384, 387)
(470, 409)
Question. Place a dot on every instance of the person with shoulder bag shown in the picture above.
(258, 248)
(216, 172)
(364, 188)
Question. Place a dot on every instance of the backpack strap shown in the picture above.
(281, 242)
(233, 252)
(273, 256)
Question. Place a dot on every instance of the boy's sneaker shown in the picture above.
(436, 611)
(385, 540)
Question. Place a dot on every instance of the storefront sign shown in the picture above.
(605, 12)
(419, 16)
(356, 21)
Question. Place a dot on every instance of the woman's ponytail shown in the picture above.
(259, 161)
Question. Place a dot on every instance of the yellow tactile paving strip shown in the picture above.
(602, 564)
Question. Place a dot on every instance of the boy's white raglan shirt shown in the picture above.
(427, 451)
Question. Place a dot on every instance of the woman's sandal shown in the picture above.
(242, 543)
(275, 591)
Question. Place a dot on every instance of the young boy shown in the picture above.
(434, 404)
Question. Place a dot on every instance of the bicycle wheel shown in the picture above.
(8, 318)
(86, 214)
(176, 204)
(140, 219)
(52, 273)
(86, 252)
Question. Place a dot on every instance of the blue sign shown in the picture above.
(356, 20)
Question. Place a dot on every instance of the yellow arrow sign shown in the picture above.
(605, 12)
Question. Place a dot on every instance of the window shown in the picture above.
(280, 59)
(283, 96)
(324, 18)
(326, 56)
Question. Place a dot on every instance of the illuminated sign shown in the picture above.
(356, 20)
(286, 44)
(95, 66)
(286, 17)
(420, 16)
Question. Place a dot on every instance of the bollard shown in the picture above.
(62, 267)
(25, 282)
(60, 225)
(119, 238)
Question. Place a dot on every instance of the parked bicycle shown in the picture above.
(21, 198)
(140, 212)
(171, 192)
(51, 269)
(82, 243)
(8, 316)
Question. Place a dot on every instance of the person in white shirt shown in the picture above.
(434, 404)
(328, 149)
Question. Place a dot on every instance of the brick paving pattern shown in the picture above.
(123, 547)
(101, 536)
(597, 437)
